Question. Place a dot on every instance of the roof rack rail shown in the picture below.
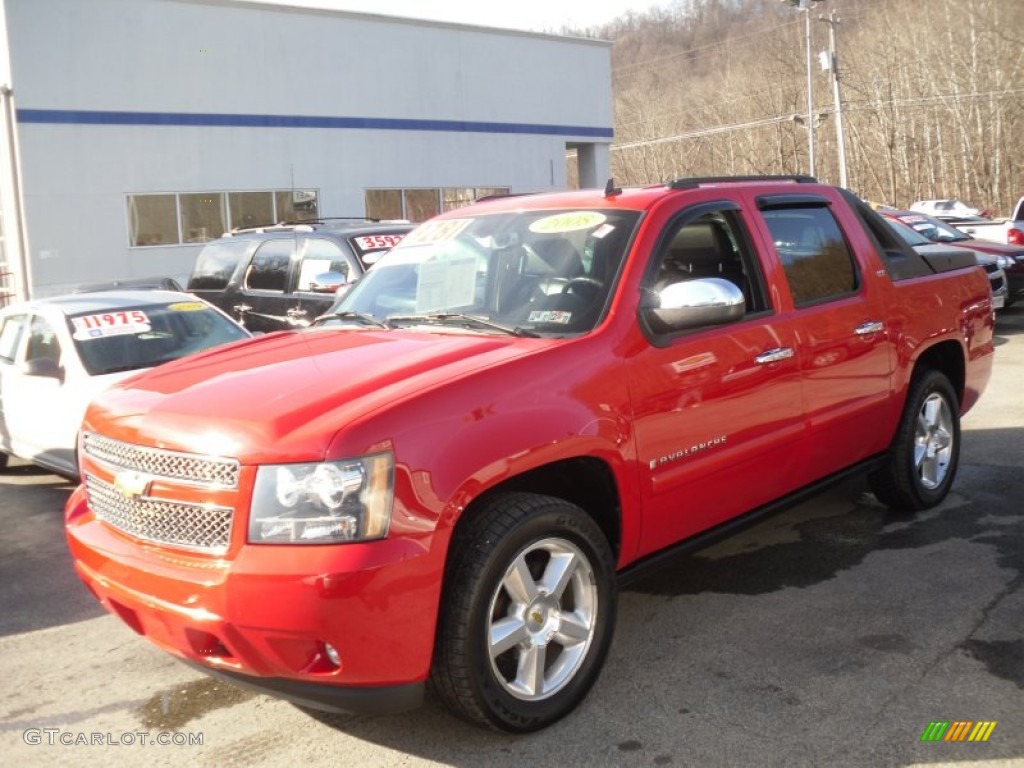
(357, 219)
(283, 226)
(503, 195)
(693, 183)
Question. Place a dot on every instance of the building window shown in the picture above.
(202, 216)
(384, 204)
(296, 205)
(420, 204)
(197, 217)
(250, 209)
(153, 219)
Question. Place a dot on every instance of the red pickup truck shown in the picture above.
(446, 477)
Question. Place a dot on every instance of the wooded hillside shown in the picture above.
(932, 95)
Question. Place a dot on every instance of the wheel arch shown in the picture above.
(947, 357)
(586, 481)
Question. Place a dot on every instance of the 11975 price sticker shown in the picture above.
(110, 324)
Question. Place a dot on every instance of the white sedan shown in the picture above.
(56, 354)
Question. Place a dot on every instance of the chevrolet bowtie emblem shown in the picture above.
(133, 484)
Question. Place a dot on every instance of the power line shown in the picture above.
(857, 105)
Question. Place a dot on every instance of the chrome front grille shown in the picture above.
(206, 471)
(191, 526)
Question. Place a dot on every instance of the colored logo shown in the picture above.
(958, 730)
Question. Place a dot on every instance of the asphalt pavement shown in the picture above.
(830, 635)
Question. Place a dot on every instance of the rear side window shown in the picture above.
(216, 263)
(268, 270)
(814, 255)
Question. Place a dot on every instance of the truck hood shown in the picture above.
(260, 400)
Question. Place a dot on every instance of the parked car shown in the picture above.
(952, 208)
(56, 354)
(1009, 231)
(132, 284)
(524, 402)
(282, 277)
(995, 258)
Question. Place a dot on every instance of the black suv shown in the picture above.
(283, 276)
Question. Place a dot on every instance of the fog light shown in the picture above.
(332, 654)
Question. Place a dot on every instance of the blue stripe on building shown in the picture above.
(218, 120)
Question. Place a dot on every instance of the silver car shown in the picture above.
(56, 354)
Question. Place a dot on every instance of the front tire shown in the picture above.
(527, 613)
(922, 461)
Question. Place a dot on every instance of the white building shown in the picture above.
(133, 130)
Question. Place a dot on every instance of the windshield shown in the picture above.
(909, 235)
(935, 230)
(148, 335)
(529, 272)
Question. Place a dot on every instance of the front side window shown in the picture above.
(324, 260)
(42, 341)
(268, 270)
(711, 245)
(934, 229)
(814, 255)
(540, 272)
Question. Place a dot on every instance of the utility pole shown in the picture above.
(830, 61)
(805, 6)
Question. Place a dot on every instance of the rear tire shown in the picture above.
(922, 461)
(527, 613)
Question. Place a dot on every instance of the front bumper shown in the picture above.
(264, 617)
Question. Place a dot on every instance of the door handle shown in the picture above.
(774, 355)
(296, 312)
(241, 308)
(871, 326)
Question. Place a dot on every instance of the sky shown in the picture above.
(534, 15)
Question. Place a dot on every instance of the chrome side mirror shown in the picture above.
(693, 304)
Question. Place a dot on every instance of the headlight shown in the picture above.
(1004, 262)
(323, 503)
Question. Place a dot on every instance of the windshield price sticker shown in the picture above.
(550, 316)
(377, 242)
(567, 222)
(436, 231)
(187, 306)
(110, 324)
(445, 283)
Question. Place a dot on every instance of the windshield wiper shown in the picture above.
(361, 317)
(459, 319)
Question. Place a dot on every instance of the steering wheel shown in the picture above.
(590, 287)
